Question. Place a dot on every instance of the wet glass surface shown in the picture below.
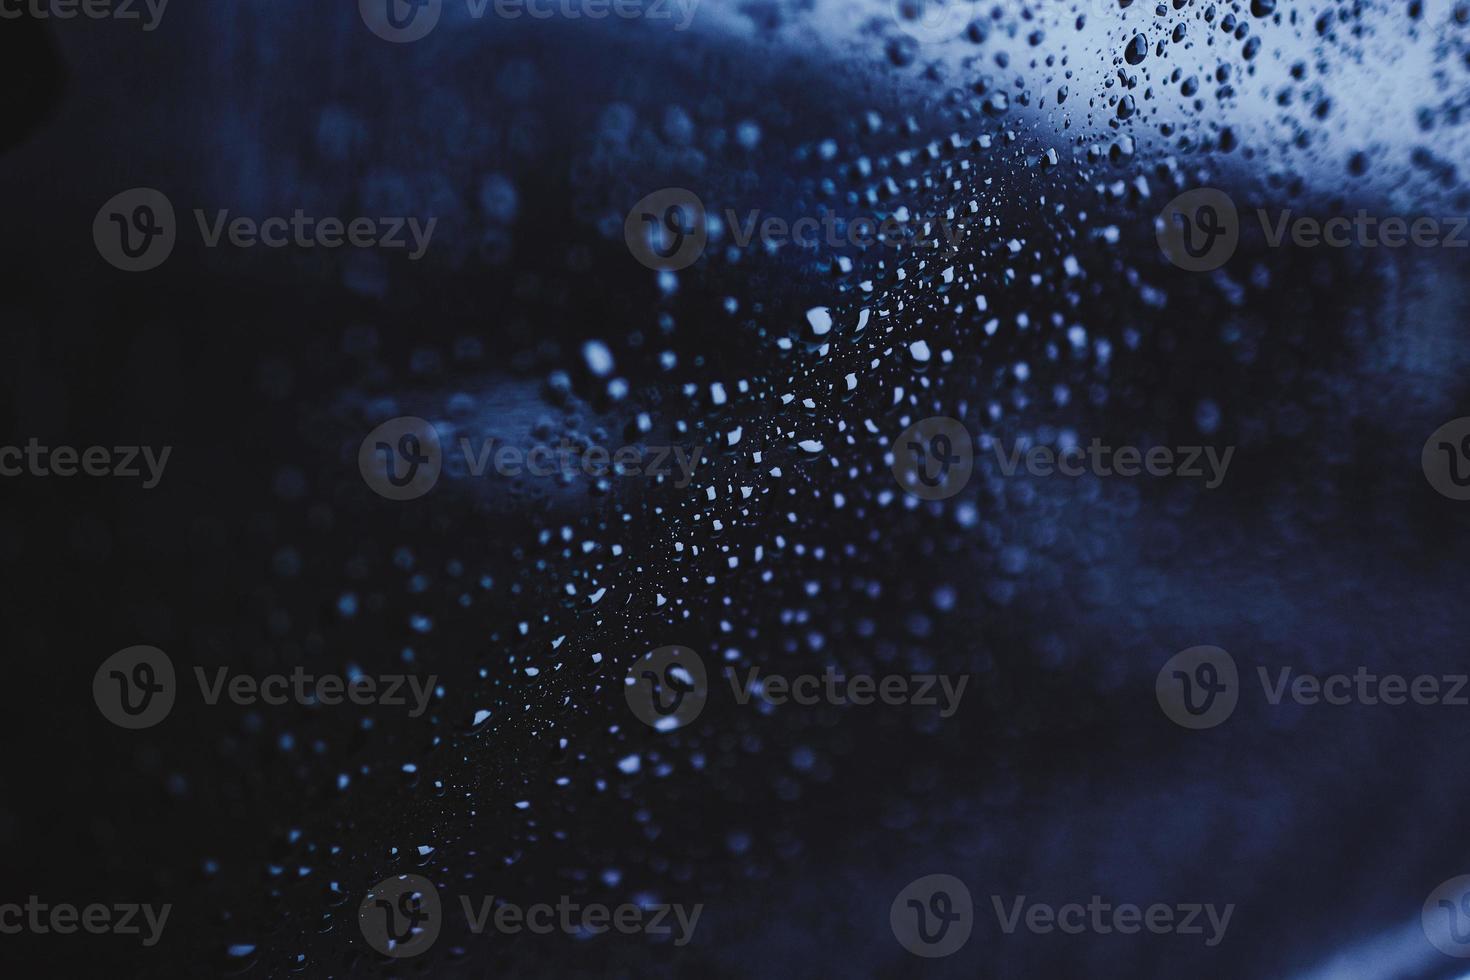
(695, 362)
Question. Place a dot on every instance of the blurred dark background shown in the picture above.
(1058, 778)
